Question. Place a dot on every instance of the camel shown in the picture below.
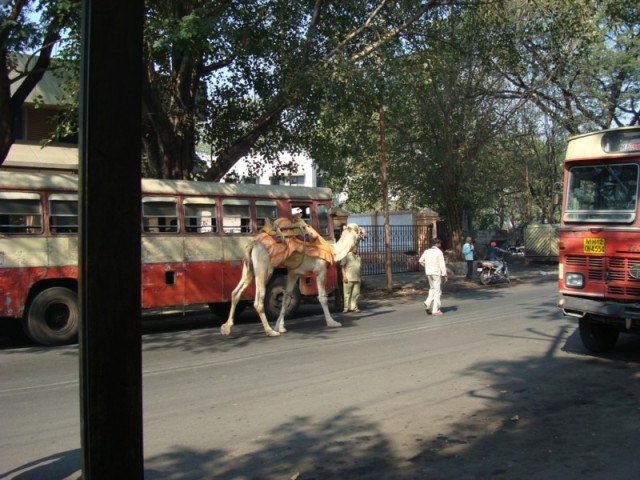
(257, 267)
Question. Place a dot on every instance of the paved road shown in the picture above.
(498, 387)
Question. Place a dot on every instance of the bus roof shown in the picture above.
(616, 142)
(65, 182)
(20, 180)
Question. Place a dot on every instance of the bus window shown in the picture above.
(63, 213)
(306, 213)
(323, 220)
(20, 212)
(236, 216)
(265, 209)
(200, 215)
(160, 214)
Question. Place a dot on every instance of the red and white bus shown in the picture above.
(599, 246)
(193, 240)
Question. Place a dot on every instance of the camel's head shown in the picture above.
(360, 232)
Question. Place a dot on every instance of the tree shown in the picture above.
(244, 76)
(445, 120)
(530, 153)
(476, 121)
(20, 32)
(577, 62)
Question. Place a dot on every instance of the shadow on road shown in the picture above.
(563, 415)
(574, 417)
(64, 465)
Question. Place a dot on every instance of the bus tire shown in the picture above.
(221, 310)
(597, 337)
(52, 317)
(274, 295)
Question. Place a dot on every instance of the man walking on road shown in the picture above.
(433, 262)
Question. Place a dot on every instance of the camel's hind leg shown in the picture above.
(262, 277)
(321, 276)
(245, 282)
(292, 280)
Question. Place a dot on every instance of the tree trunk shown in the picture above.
(11, 105)
(453, 219)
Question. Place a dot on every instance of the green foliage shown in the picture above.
(479, 104)
(478, 97)
(576, 61)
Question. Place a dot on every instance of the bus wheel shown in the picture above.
(598, 338)
(52, 317)
(274, 295)
(221, 310)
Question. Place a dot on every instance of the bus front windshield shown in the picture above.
(602, 193)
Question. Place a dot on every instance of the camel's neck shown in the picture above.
(344, 246)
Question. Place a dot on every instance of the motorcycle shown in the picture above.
(493, 271)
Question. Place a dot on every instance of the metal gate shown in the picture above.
(407, 244)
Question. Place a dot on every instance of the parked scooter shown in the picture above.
(493, 271)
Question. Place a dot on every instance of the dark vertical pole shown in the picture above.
(109, 250)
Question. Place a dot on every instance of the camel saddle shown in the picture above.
(283, 238)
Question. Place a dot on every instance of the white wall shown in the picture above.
(305, 167)
(395, 218)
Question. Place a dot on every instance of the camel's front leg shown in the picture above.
(292, 280)
(321, 276)
(263, 274)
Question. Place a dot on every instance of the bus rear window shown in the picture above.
(63, 213)
(160, 215)
(20, 213)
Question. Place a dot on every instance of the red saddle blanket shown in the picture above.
(287, 238)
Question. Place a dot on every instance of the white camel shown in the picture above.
(257, 267)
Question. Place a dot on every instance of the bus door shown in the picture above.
(62, 244)
(163, 280)
(203, 252)
(307, 213)
(317, 216)
(238, 232)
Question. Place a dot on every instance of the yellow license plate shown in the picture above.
(593, 245)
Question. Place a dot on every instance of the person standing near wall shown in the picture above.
(467, 251)
(434, 267)
(351, 265)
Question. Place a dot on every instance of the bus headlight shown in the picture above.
(574, 280)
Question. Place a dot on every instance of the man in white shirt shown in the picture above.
(433, 262)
